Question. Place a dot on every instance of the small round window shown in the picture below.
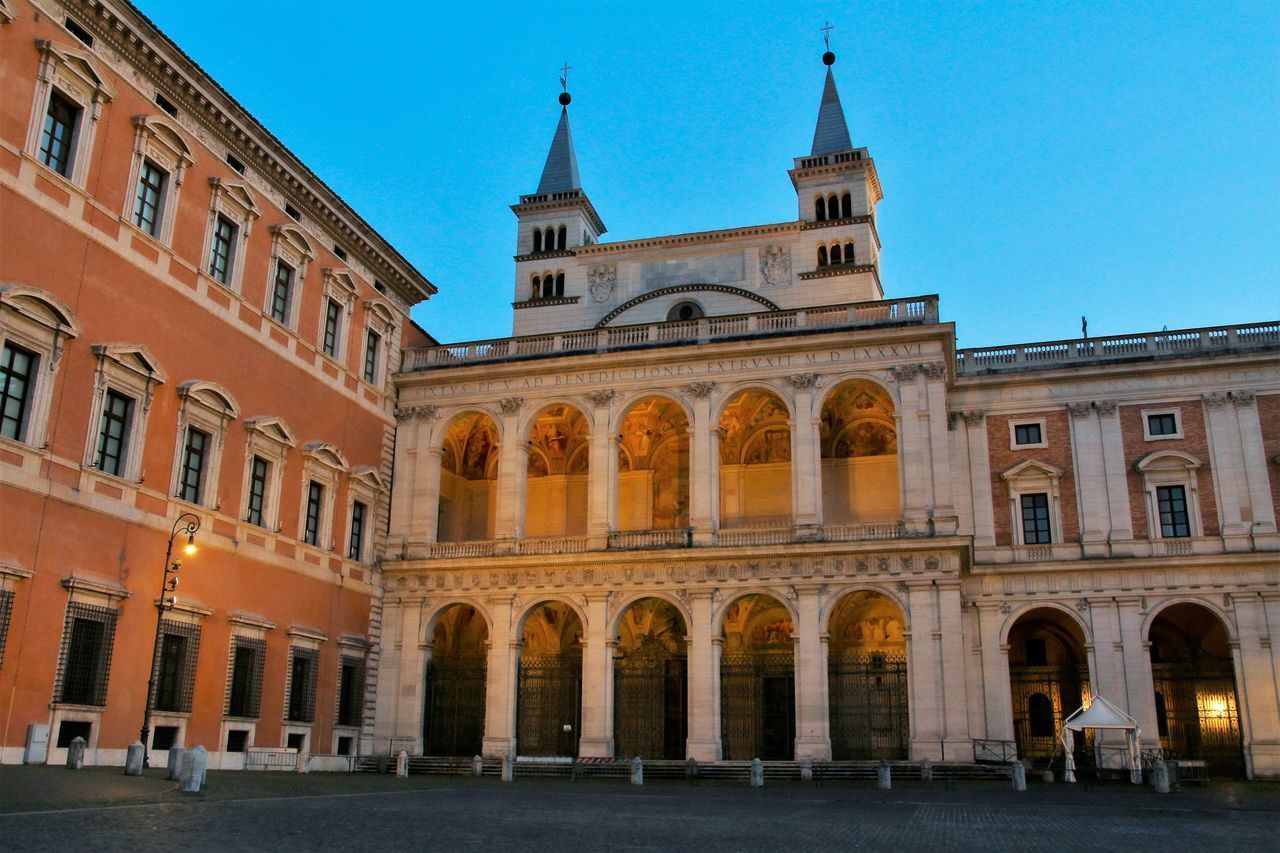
(685, 311)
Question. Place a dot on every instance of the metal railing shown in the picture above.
(994, 751)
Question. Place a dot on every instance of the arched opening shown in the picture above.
(468, 479)
(556, 488)
(848, 253)
(561, 238)
(1197, 711)
(650, 682)
(549, 239)
(822, 256)
(859, 443)
(536, 289)
(537, 241)
(836, 256)
(833, 207)
(559, 284)
(453, 719)
(867, 679)
(653, 466)
(1048, 680)
(549, 696)
(846, 206)
(820, 209)
(757, 681)
(755, 461)
(684, 311)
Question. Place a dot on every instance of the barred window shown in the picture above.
(6, 608)
(350, 691)
(84, 661)
(175, 673)
(244, 679)
(302, 685)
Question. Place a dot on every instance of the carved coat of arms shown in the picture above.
(775, 265)
(601, 281)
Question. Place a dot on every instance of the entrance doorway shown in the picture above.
(1048, 679)
(867, 679)
(757, 681)
(453, 719)
(650, 682)
(549, 695)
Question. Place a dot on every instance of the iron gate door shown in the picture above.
(1042, 697)
(549, 705)
(868, 699)
(1197, 714)
(454, 720)
(649, 717)
(757, 706)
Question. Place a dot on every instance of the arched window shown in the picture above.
(820, 209)
(537, 241)
(561, 238)
(846, 206)
(836, 257)
(822, 256)
(833, 207)
(848, 253)
(537, 287)
(560, 284)
(1040, 715)
(549, 240)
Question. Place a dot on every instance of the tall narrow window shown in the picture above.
(537, 241)
(113, 436)
(220, 254)
(820, 209)
(302, 685)
(315, 505)
(257, 491)
(822, 256)
(846, 206)
(195, 452)
(355, 548)
(1174, 520)
(836, 256)
(172, 669)
(561, 238)
(146, 211)
(244, 697)
(1035, 519)
(58, 137)
(332, 322)
(350, 691)
(282, 292)
(848, 253)
(17, 375)
(559, 284)
(372, 345)
(85, 662)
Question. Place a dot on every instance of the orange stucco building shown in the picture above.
(194, 327)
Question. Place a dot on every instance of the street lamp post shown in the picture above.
(187, 523)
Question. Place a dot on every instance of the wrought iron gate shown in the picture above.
(649, 716)
(549, 705)
(757, 706)
(1197, 714)
(1042, 697)
(868, 698)
(454, 720)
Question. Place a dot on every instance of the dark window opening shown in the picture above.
(224, 241)
(837, 257)
(332, 321)
(537, 241)
(820, 209)
(234, 162)
(1162, 716)
(355, 548)
(17, 372)
(372, 346)
(69, 730)
(1027, 434)
(846, 206)
(344, 745)
(315, 502)
(85, 658)
(194, 459)
(848, 253)
(350, 692)
(237, 740)
(164, 737)
(292, 212)
(258, 472)
(1040, 715)
(77, 29)
(176, 667)
(1035, 519)
(340, 252)
(559, 284)
(297, 741)
(113, 436)
(282, 292)
(562, 238)
(151, 187)
(822, 256)
(1037, 652)
(302, 685)
(683, 311)
(1175, 522)
(56, 141)
(167, 105)
(1165, 424)
(245, 694)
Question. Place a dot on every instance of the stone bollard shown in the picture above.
(133, 759)
(1160, 777)
(691, 770)
(757, 773)
(1047, 776)
(508, 768)
(926, 770)
(884, 776)
(806, 769)
(75, 754)
(174, 770)
(637, 771)
(402, 765)
(477, 766)
(194, 764)
(1019, 776)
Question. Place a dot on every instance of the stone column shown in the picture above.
(513, 470)
(704, 680)
(602, 492)
(597, 673)
(806, 476)
(1119, 515)
(943, 506)
(915, 470)
(1255, 461)
(995, 672)
(813, 727)
(701, 464)
(408, 440)
(1256, 687)
(501, 680)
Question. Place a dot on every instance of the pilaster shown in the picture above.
(704, 680)
(924, 668)
(501, 680)
(1259, 705)
(513, 470)
(1091, 479)
(1255, 461)
(943, 509)
(1119, 514)
(951, 652)
(806, 479)
(813, 727)
(1227, 466)
(701, 464)
(603, 472)
(914, 469)
(597, 676)
(995, 673)
(975, 432)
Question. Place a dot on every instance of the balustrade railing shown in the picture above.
(755, 536)
(630, 539)
(859, 532)
(553, 545)
(445, 550)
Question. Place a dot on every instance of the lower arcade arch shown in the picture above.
(1197, 710)
(757, 680)
(549, 690)
(867, 679)
(650, 682)
(454, 712)
(1048, 680)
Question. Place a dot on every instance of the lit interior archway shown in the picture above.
(859, 443)
(559, 461)
(653, 466)
(549, 695)
(453, 718)
(757, 681)
(1048, 680)
(650, 681)
(755, 461)
(468, 479)
(867, 678)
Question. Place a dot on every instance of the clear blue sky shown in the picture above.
(1039, 161)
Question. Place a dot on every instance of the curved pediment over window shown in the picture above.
(1167, 460)
(681, 289)
(211, 395)
(325, 454)
(293, 237)
(40, 307)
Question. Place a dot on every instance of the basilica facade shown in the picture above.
(718, 497)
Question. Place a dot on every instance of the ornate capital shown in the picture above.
(975, 417)
(414, 413)
(1242, 399)
(800, 381)
(601, 397)
(700, 390)
(510, 405)
(1079, 410)
(952, 419)
(904, 372)
(1105, 408)
(1215, 400)
(1082, 606)
(935, 369)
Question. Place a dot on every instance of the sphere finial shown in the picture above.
(564, 99)
(828, 58)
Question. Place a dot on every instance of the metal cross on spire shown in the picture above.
(564, 76)
(826, 29)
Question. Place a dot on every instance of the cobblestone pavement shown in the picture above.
(101, 809)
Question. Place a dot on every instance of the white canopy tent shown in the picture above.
(1101, 714)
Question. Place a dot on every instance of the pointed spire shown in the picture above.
(561, 170)
(831, 134)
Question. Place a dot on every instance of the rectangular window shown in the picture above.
(60, 123)
(164, 737)
(315, 504)
(1174, 520)
(237, 740)
(17, 370)
(258, 472)
(302, 685)
(6, 608)
(72, 729)
(85, 659)
(371, 346)
(151, 184)
(113, 435)
(1027, 434)
(244, 694)
(176, 667)
(350, 691)
(224, 241)
(1035, 519)
(355, 549)
(195, 453)
(332, 321)
(282, 292)
(1162, 424)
